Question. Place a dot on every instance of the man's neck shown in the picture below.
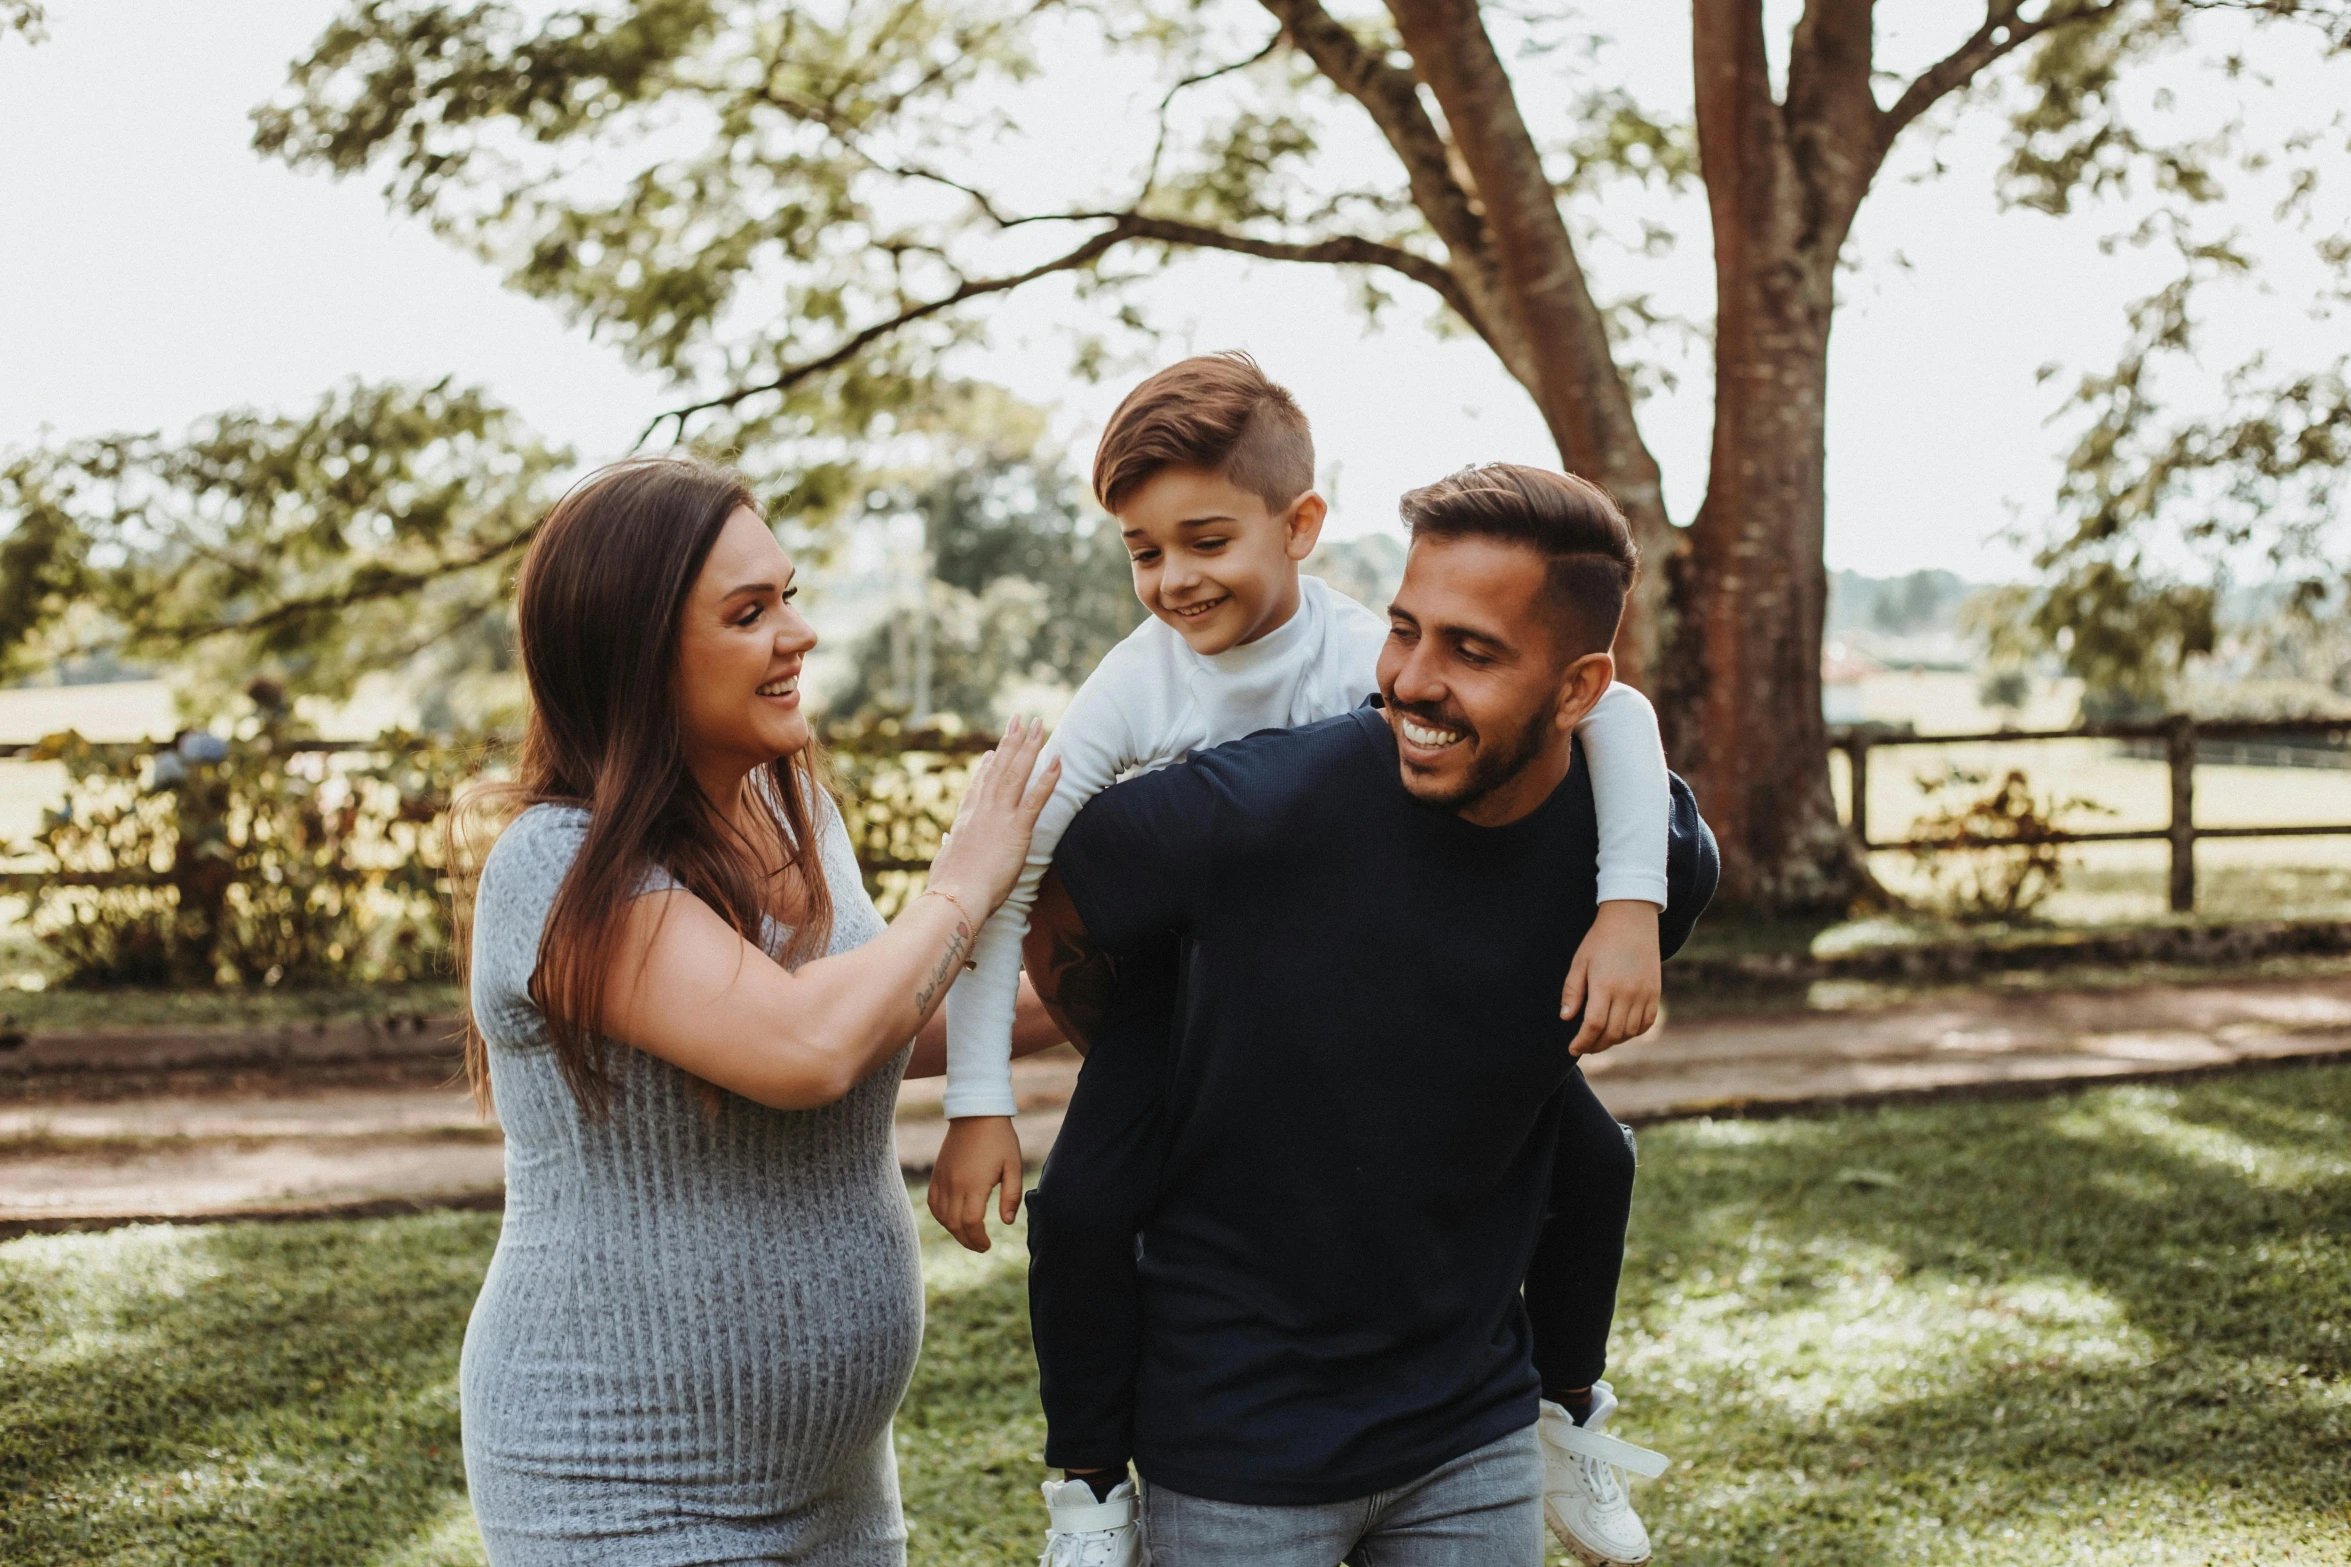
(1523, 792)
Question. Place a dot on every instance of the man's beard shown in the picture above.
(1492, 766)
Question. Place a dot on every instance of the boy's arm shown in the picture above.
(1095, 742)
(981, 1153)
(1033, 1029)
(1614, 980)
(1629, 794)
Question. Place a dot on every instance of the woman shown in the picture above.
(706, 1299)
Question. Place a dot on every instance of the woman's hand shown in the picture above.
(985, 849)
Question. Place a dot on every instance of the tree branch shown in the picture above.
(388, 584)
(1575, 379)
(2002, 34)
(1159, 146)
(1345, 251)
(1831, 114)
(865, 337)
(1392, 98)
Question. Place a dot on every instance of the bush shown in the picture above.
(899, 787)
(1993, 856)
(259, 861)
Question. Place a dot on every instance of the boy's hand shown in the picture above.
(1614, 979)
(981, 1153)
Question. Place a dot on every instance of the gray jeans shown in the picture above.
(1483, 1509)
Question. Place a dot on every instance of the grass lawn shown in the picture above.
(2111, 1328)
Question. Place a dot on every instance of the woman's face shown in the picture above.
(739, 654)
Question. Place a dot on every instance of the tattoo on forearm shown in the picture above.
(944, 970)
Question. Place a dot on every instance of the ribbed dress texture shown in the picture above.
(697, 1326)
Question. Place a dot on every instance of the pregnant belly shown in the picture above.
(736, 1358)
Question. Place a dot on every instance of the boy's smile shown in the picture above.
(1213, 560)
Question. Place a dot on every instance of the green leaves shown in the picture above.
(370, 534)
(719, 189)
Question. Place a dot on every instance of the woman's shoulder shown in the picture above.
(537, 847)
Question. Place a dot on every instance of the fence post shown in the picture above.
(1857, 771)
(2180, 751)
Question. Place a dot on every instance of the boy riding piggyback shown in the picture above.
(1208, 468)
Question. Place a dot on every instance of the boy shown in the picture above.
(1208, 467)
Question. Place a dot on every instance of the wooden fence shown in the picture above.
(899, 785)
(2185, 742)
(896, 825)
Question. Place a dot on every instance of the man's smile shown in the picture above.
(1426, 736)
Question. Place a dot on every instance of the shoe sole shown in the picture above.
(1582, 1552)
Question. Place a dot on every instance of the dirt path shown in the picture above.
(281, 1145)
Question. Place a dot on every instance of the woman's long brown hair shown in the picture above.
(598, 611)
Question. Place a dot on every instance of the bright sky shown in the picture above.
(154, 269)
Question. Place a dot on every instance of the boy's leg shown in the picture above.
(1571, 1280)
(1571, 1301)
(1098, 1183)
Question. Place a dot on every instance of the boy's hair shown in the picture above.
(1584, 540)
(1217, 413)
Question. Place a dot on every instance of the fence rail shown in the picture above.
(2184, 742)
(892, 838)
(2183, 739)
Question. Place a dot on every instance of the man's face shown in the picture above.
(1212, 559)
(1477, 686)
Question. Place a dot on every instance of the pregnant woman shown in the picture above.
(706, 1299)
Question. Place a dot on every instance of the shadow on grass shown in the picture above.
(246, 1394)
(2104, 1327)
(2110, 1328)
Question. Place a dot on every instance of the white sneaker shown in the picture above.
(1583, 1497)
(1087, 1533)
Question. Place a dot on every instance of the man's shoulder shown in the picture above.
(1272, 768)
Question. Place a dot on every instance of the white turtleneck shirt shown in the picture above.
(1153, 701)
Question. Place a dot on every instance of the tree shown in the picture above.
(817, 197)
(375, 533)
(2164, 513)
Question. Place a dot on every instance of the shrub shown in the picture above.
(263, 860)
(899, 787)
(1991, 856)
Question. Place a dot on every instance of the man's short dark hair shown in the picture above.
(1217, 413)
(1583, 538)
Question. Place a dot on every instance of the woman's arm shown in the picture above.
(692, 991)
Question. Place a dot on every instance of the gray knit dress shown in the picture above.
(696, 1327)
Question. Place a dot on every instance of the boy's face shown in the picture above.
(1212, 559)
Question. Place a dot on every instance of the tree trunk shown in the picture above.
(1742, 703)
(1742, 696)
(1566, 362)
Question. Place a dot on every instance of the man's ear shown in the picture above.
(1303, 523)
(1583, 683)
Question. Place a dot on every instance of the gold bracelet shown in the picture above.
(969, 963)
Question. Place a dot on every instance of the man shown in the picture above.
(1325, 1354)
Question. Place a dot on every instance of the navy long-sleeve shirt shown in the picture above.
(1367, 1045)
